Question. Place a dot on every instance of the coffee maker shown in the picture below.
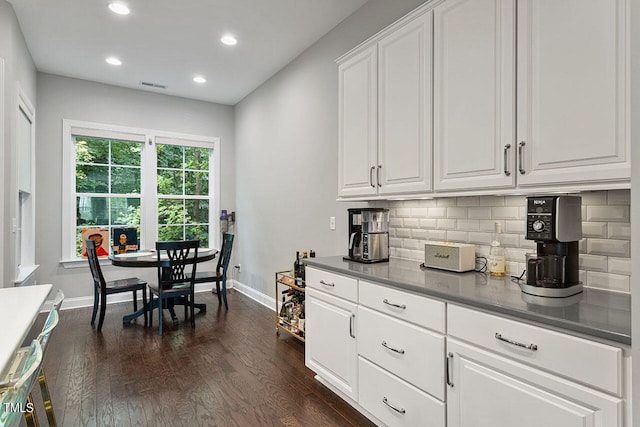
(555, 223)
(368, 235)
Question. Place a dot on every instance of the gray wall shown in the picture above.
(18, 70)
(66, 98)
(287, 154)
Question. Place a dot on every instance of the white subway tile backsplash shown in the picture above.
(479, 213)
(446, 224)
(608, 213)
(514, 227)
(468, 201)
(468, 225)
(439, 235)
(619, 230)
(609, 247)
(594, 198)
(511, 212)
(457, 236)
(438, 212)
(593, 262)
(612, 282)
(491, 200)
(620, 266)
(428, 222)
(594, 229)
(456, 213)
(604, 250)
(480, 238)
(411, 223)
(619, 197)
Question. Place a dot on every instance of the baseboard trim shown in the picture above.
(258, 297)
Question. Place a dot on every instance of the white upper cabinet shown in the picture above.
(358, 124)
(573, 88)
(404, 108)
(474, 94)
(385, 113)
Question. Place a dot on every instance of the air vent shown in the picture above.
(156, 85)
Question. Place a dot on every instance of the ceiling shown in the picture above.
(168, 42)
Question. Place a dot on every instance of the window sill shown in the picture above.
(81, 262)
(25, 274)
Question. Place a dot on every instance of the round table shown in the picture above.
(149, 258)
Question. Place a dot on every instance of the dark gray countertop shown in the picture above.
(593, 312)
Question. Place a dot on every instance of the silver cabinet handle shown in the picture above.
(378, 175)
(386, 301)
(506, 159)
(351, 321)
(521, 158)
(531, 347)
(395, 408)
(449, 369)
(385, 345)
(371, 176)
(327, 284)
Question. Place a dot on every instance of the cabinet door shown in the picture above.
(357, 124)
(474, 94)
(404, 135)
(331, 341)
(487, 390)
(573, 104)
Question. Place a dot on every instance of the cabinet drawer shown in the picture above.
(414, 354)
(332, 284)
(413, 407)
(589, 362)
(413, 308)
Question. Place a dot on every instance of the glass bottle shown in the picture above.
(496, 253)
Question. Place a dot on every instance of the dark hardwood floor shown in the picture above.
(231, 370)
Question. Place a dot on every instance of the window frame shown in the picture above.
(148, 191)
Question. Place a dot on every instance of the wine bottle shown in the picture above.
(496, 253)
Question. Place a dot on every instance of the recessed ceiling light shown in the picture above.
(119, 8)
(199, 79)
(113, 60)
(229, 40)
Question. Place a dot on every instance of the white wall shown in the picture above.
(18, 70)
(67, 98)
(287, 154)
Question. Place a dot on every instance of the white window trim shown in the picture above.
(26, 270)
(149, 216)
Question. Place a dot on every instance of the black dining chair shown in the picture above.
(102, 288)
(176, 277)
(220, 275)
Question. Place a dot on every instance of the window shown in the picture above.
(164, 185)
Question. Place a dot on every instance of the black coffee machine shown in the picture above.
(368, 235)
(555, 223)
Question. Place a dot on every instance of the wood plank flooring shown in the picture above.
(231, 370)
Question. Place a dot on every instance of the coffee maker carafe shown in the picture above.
(555, 223)
(368, 235)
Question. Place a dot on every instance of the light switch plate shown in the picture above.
(332, 223)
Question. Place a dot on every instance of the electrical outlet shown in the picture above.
(332, 223)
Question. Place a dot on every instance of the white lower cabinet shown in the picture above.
(331, 341)
(488, 390)
(394, 401)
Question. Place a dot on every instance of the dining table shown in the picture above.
(19, 308)
(149, 259)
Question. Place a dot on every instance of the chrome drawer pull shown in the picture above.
(327, 284)
(521, 158)
(386, 301)
(351, 320)
(531, 347)
(506, 159)
(398, 410)
(449, 369)
(384, 344)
